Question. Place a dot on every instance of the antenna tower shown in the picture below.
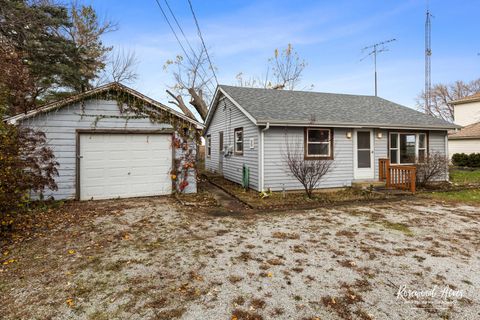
(375, 49)
(428, 66)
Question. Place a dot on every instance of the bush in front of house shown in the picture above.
(26, 164)
(474, 160)
(471, 160)
(308, 172)
(460, 159)
(434, 167)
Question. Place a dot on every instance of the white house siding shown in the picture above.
(277, 174)
(60, 128)
(381, 149)
(467, 113)
(463, 146)
(226, 119)
(437, 143)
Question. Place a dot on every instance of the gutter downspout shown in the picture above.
(262, 157)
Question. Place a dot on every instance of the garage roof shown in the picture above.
(113, 86)
(469, 132)
(472, 98)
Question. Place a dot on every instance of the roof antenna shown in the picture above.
(375, 49)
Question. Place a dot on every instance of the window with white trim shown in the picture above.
(422, 147)
(208, 143)
(407, 148)
(393, 147)
(238, 136)
(318, 143)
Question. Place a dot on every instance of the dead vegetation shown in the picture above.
(295, 199)
(239, 314)
(157, 259)
(285, 235)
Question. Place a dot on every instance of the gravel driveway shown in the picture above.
(156, 259)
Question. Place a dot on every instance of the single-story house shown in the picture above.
(466, 113)
(253, 127)
(114, 142)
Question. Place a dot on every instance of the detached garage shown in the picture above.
(113, 142)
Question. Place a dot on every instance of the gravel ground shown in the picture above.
(156, 259)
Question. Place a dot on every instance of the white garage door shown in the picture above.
(124, 165)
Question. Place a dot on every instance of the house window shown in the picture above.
(407, 148)
(394, 148)
(318, 143)
(422, 147)
(238, 135)
(209, 145)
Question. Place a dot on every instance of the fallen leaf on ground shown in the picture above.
(69, 302)
(9, 261)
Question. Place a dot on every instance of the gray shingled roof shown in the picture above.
(282, 106)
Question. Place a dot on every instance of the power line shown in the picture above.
(178, 40)
(173, 30)
(203, 42)
(179, 27)
(188, 43)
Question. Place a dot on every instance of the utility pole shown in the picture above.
(428, 66)
(376, 49)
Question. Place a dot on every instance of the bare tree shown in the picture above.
(253, 82)
(86, 30)
(434, 166)
(178, 101)
(308, 172)
(284, 71)
(193, 79)
(442, 96)
(121, 66)
(287, 68)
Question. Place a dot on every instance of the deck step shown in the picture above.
(368, 184)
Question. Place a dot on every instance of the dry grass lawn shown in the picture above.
(154, 259)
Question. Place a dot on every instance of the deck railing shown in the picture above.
(382, 168)
(397, 176)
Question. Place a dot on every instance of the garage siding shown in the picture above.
(60, 128)
(226, 119)
(463, 146)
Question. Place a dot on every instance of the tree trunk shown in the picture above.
(179, 102)
(308, 192)
(198, 102)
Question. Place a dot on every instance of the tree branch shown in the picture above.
(181, 104)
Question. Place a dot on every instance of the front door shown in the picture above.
(363, 155)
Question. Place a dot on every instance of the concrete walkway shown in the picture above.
(228, 204)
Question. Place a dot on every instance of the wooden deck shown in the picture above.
(400, 177)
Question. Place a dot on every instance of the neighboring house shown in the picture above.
(108, 146)
(466, 113)
(252, 127)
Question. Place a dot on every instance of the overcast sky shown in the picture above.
(241, 35)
